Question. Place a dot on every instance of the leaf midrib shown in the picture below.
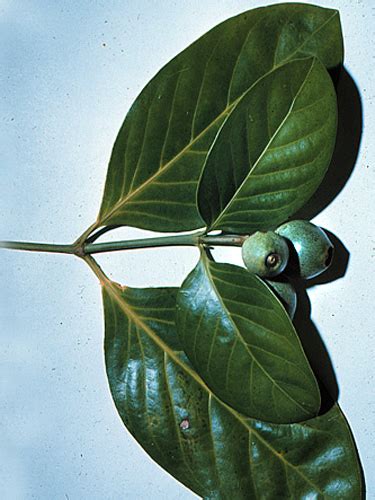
(166, 166)
(115, 292)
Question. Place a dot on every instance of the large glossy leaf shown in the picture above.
(242, 343)
(161, 148)
(273, 150)
(208, 446)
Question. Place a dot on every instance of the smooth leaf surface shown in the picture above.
(208, 446)
(162, 146)
(273, 150)
(242, 343)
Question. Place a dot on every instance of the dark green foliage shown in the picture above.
(161, 149)
(188, 430)
(273, 150)
(241, 342)
(235, 134)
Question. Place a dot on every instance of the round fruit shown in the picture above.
(313, 247)
(285, 292)
(265, 254)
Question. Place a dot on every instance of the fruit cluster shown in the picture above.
(297, 248)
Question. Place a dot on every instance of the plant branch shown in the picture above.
(223, 240)
(113, 246)
(83, 249)
(38, 247)
(163, 241)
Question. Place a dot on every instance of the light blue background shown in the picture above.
(72, 69)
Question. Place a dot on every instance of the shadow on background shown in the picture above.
(343, 161)
(312, 342)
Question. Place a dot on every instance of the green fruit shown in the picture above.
(265, 254)
(285, 292)
(313, 247)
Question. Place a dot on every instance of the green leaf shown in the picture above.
(242, 343)
(208, 446)
(273, 150)
(161, 148)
